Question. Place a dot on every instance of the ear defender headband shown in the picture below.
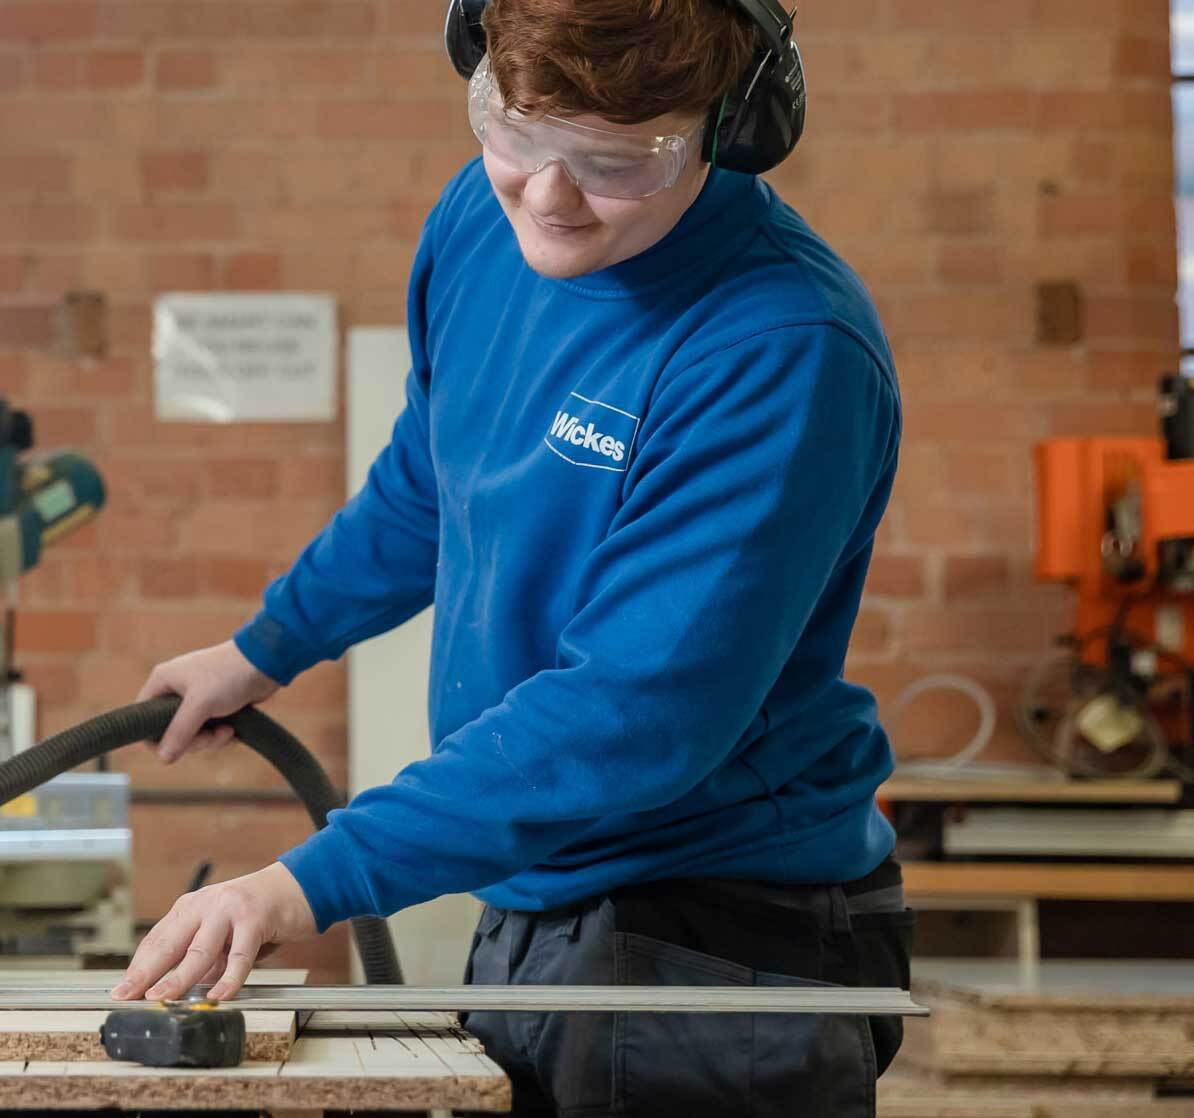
(752, 129)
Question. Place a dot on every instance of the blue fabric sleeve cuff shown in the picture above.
(273, 649)
(324, 868)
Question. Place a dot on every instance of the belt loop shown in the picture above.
(839, 909)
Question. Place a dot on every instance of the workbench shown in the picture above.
(374, 1060)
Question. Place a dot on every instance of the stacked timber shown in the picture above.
(1093, 1040)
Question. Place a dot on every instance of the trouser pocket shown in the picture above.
(714, 1065)
(883, 945)
(488, 963)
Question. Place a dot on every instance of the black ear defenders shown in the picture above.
(752, 129)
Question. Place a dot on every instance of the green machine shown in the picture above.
(65, 847)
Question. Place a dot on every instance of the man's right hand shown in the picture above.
(213, 683)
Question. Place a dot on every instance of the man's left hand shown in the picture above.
(216, 934)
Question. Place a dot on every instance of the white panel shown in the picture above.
(387, 676)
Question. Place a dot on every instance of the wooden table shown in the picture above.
(336, 1061)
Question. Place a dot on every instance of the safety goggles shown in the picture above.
(608, 164)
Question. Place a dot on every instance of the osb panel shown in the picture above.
(970, 1035)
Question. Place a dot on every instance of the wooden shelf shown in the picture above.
(1050, 881)
(910, 789)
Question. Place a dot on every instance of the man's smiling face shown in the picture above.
(564, 231)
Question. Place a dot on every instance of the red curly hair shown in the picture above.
(626, 61)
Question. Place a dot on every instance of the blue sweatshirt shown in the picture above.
(643, 502)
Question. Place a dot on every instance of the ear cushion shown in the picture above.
(464, 35)
(761, 120)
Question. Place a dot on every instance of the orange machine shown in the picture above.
(1116, 521)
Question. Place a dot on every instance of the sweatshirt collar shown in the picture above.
(729, 206)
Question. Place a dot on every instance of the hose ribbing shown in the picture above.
(148, 722)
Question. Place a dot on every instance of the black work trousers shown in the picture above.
(698, 932)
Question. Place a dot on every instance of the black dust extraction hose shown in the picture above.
(148, 722)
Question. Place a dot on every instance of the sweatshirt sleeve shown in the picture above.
(374, 565)
(758, 469)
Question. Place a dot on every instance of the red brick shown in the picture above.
(979, 263)
(13, 69)
(172, 481)
(980, 632)
(95, 69)
(417, 18)
(164, 630)
(43, 20)
(65, 426)
(55, 274)
(98, 580)
(1137, 56)
(969, 111)
(31, 326)
(49, 223)
(186, 69)
(55, 631)
(181, 271)
(13, 270)
(173, 170)
(252, 271)
(970, 576)
(1129, 368)
(1128, 317)
(944, 16)
(109, 679)
(244, 477)
(169, 578)
(34, 172)
(228, 577)
(14, 376)
(312, 477)
(135, 533)
(871, 634)
(199, 221)
(55, 683)
(383, 120)
(896, 576)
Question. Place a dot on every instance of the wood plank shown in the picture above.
(912, 789)
(70, 1035)
(908, 1093)
(1050, 880)
(407, 1070)
(1120, 1020)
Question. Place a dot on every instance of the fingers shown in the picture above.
(215, 738)
(206, 947)
(155, 686)
(215, 970)
(213, 934)
(161, 949)
(242, 954)
(183, 729)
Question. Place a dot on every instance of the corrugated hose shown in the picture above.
(147, 722)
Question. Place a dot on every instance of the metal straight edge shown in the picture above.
(553, 999)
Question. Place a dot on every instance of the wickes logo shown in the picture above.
(589, 433)
(571, 430)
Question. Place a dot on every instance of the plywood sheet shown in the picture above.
(53, 1035)
(1106, 1020)
(421, 1064)
(910, 1094)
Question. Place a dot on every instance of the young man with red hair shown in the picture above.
(652, 426)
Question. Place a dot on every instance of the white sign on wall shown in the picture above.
(228, 357)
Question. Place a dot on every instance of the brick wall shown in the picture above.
(958, 154)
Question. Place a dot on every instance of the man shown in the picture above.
(652, 426)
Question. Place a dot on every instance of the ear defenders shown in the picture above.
(752, 129)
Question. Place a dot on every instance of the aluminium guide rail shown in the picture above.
(554, 999)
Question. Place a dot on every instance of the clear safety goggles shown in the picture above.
(608, 164)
